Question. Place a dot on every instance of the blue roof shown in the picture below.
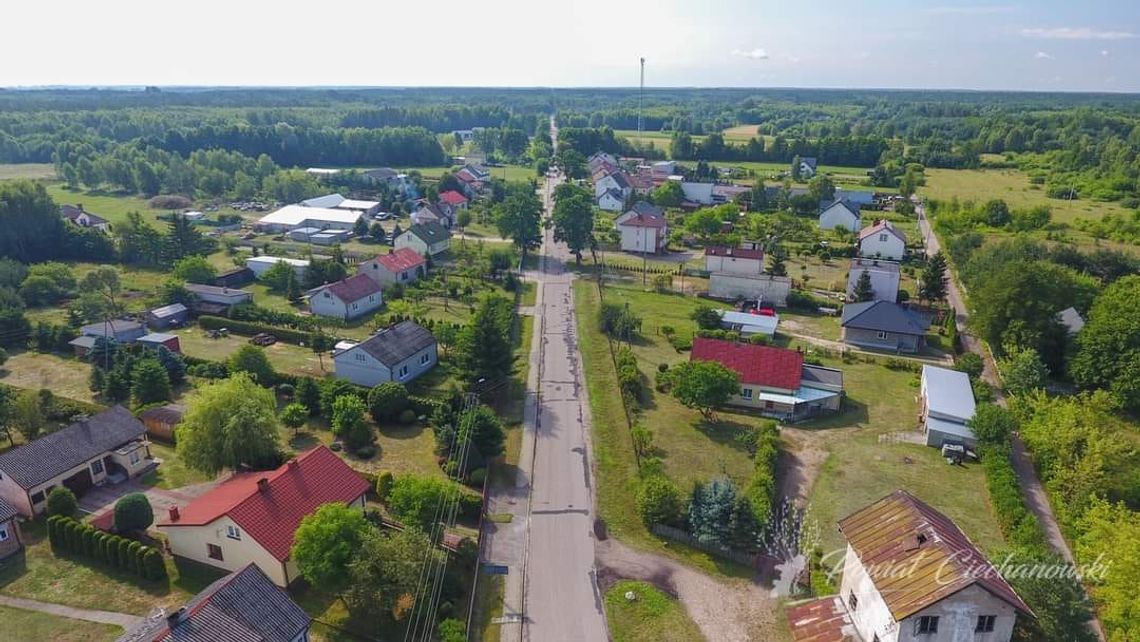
(948, 392)
(884, 316)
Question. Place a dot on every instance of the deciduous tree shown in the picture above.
(229, 423)
(703, 385)
(326, 543)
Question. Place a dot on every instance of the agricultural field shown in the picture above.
(65, 376)
(33, 171)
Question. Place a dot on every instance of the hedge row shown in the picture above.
(249, 328)
(69, 535)
(629, 377)
(761, 491)
(1017, 523)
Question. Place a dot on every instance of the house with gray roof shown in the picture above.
(884, 325)
(108, 447)
(397, 353)
(839, 213)
(244, 606)
(429, 238)
(947, 400)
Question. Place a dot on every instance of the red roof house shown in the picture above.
(402, 265)
(348, 298)
(757, 365)
(252, 516)
(453, 198)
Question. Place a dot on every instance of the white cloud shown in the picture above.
(975, 10)
(1041, 55)
(1075, 33)
(754, 54)
(1104, 52)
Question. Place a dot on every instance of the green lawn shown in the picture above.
(113, 207)
(172, 473)
(284, 357)
(76, 581)
(652, 616)
(17, 625)
(65, 376)
(26, 170)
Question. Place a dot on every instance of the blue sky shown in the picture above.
(1080, 45)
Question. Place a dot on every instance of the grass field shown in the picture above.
(26, 170)
(1014, 188)
(81, 583)
(112, 207)
(172, 473)
(652, 616)
(284, 357)
(17, 625)
(65, 376)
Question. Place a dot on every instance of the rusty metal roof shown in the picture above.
(822, 620)
(916, 556)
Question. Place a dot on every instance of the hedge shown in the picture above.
(1017, 523)
(248, 328)
(67, 535)
(629, 377)
(761, 490)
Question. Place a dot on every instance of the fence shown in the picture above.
(678, 535)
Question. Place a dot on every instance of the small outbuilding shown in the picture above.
(156, 339)
(947, 407)
(167, 316)
(161, 421)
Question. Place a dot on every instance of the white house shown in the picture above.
(882, 240)
(839, 213)
(425, 238)
(346, 299)
(398, 353)
(643, 229)
(82, 218)
(292, 217)
(611, 200)
(613, 181)
(262, 264)
(910, 575)
(402, 265)
(251, 517)
(947, 406)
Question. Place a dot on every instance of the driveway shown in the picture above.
(100, 500)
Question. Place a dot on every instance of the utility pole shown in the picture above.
(640, 97)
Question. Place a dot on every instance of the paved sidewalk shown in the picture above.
(102, 617)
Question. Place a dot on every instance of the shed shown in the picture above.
(947, 406)
(161, 421)
(167, 316)
(155, 339)
(749, 323)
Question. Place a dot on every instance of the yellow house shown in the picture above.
(251, 517)
(107, 447)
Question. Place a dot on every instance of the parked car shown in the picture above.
(263, 339)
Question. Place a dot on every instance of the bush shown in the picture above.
(477, 477)
(761, 490)
(133, 513)
(170, 202)
(971, 364)
(154, 568)
(629, 377)
(384, 485)
(407, 417)
(365, 452)
(680, 344)
(248, 328)
(658, 501)
(452, 630)
(61, 501)
(470, 506)
(800, 300)
(387, 400)
(662, 367)
(123, 552)
(133, 551)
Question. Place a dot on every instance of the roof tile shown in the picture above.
(756, 364)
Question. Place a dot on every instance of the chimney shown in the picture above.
(173, 619)
(79, 206)
(292, 463)
(263, 485)
(174, 515)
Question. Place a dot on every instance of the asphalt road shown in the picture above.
(561, 597)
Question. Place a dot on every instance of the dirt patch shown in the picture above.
(724, 610)
(799, 463)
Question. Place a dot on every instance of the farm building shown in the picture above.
(211, 299)
(807, 167)
(235, 278)
(120, 330)
(262, 264)
(947, 406)
(292, 217)
(156, 339)
(82, 218)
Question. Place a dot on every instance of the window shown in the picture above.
(232, 532)
(403, 371)
(883, 238)
(403, 276)
(214, 552)
(372, 298)
(424, 358)
(37, 497)
(768, 405)
(3, 534)
(926, 624)
(746, 393)
(134, 457)
(985, 624)
(882, 335)
(327, 295)
(852, 601)
(97, 467)
(353, 306)
(360, 357)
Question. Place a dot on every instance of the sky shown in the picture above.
(1054, 45)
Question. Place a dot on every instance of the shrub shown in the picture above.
(133, 513)
(452, 630)
(971, 364)
(761, 488)
(365, 452)
(470, 506)
(658, 501)
(477, 477)
(124, 553)
(629, 377)
(387, 401)
(680, 344)
(384, 485)
(61, 501)
(407, 417)
(662, 367)
(248, 328)
(132, 561)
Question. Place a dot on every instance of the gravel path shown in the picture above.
(730, 610)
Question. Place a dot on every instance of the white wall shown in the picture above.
(361, 368)
(890, 247)
(326, 304)
(837, 215)
(610, 204)
(958, 616)
(871, 616)
(191, 542)
(733, 265)
(408, 239)
(773, 289)
(638, 239)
